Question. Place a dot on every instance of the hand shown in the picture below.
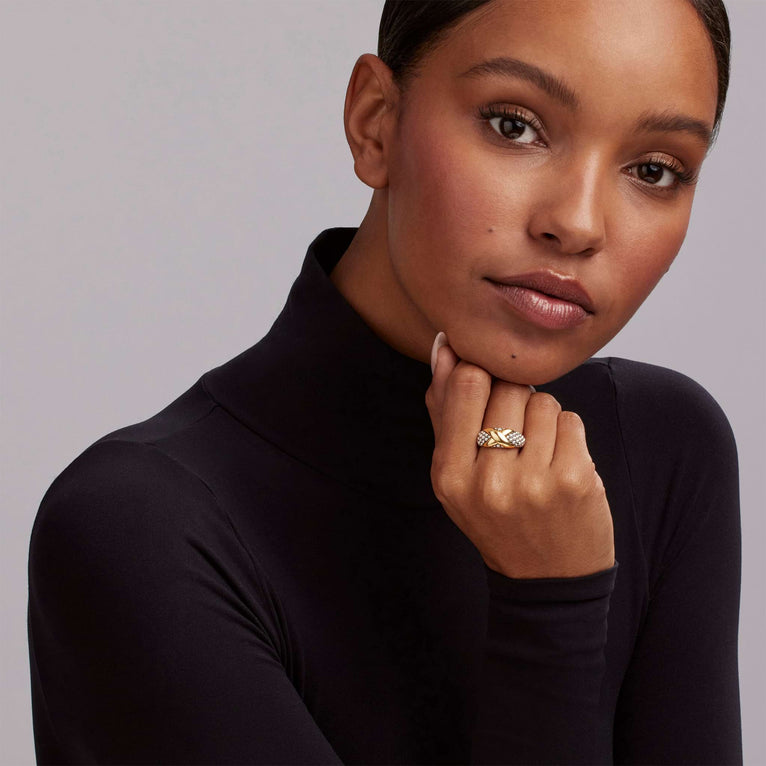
(538, 511)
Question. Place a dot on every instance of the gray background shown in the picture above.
(164, 166)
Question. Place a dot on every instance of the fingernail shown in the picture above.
(439, 341)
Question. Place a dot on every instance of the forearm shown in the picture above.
(544, 664)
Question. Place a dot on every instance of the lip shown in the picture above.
(545, 298)
(550, 283)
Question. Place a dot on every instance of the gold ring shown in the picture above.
(500, 438)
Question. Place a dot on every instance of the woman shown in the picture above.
(312, 556)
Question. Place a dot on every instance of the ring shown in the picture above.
(501, 438)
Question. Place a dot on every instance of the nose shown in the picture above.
(569, 214)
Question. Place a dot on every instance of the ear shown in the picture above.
(368, 116)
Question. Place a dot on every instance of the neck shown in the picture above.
(366, 279)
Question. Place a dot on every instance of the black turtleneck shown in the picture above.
(260, 573)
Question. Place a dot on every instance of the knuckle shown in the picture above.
(438, 484)
(575, 483)
(535, 490)
(511, 390)
(597, 485)
(494, 492)
(544, 402)
(570, 419)
(447, 485)
(438, 465)
(470, 381)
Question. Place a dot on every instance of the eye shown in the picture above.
(664, 173)
(656, 174)
(512, 125)
(514, 129)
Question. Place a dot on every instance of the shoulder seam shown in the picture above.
(112, 436)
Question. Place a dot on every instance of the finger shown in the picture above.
(571, 450)
(465, 400)
(505, 407)
(439, 341)
(540, 428)
(444, 361)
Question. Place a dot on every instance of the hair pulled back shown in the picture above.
(410, 29)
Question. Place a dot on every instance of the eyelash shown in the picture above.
(683, 177)
(489, 112)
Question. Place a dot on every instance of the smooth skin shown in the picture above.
(574, 188)
(539, 511)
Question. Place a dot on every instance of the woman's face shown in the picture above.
(547, 143)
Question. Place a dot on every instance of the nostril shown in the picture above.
(548, 235)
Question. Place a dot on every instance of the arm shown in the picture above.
(151, 637)
(544, 662)
(679, 702)
(540, 519)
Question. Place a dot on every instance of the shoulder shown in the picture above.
(659, 403)
(646, 402)
(679, 451)
(682, 464)
(117, 504)
(127, 495)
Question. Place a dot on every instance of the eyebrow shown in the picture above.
(668, 122)
(557, 89)
(508, 67)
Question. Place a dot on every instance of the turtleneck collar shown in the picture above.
(323, 388)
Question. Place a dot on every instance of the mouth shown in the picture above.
(547, 299)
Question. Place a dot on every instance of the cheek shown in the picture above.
(442, 195)
(648, 252)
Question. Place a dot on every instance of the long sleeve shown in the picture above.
(146, 644)
(679, 701)
(543, 669)
(223, 583)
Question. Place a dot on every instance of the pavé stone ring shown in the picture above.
(500, 438)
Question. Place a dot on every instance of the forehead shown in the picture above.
(654, 51)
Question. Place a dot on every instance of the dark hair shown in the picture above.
(410, 29)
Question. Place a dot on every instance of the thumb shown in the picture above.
(443, 362)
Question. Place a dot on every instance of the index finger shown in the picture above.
(444, 360)
(466, 393)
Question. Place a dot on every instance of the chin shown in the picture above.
(530, 366)
(531, 375)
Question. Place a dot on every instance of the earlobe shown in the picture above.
(370, 103)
